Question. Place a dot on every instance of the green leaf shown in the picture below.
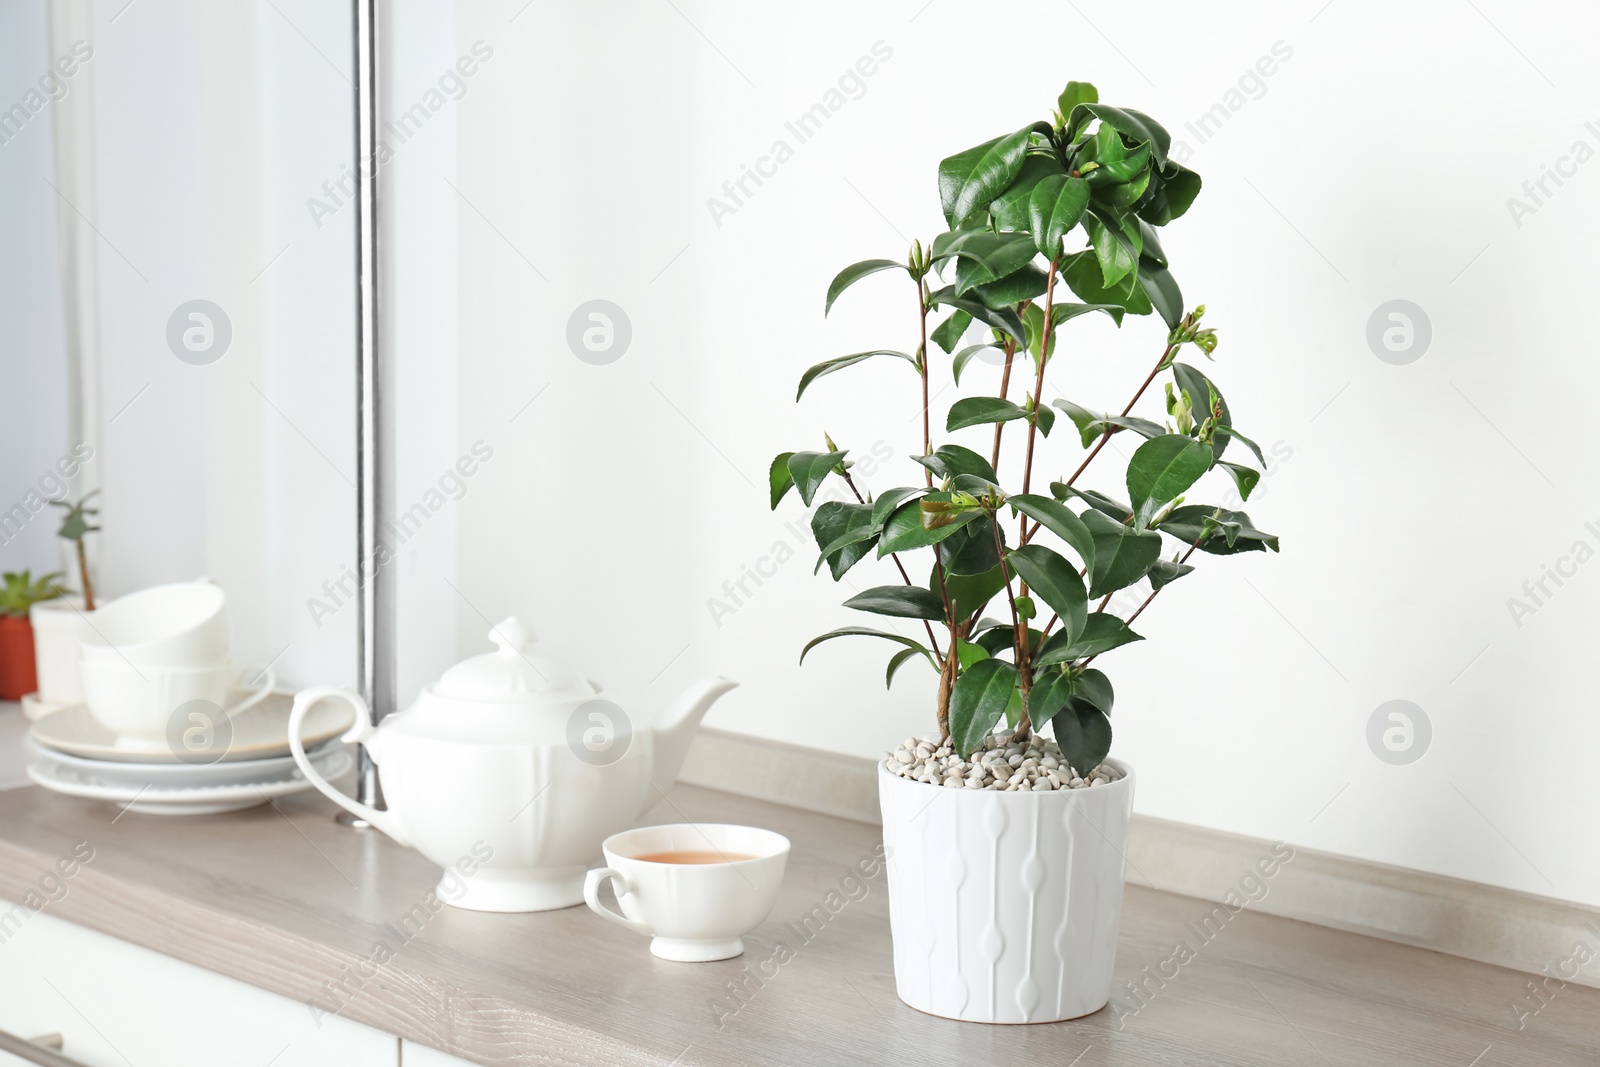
(1084, 278)
(1048, 696)
(948, 461)
(997, 640)
(1165, 571)
(891, 499)
(844, 532)
(977, 702)
(1026, 284)
(1245, 478)
(1010, 209)
(987, 257)
(1005, 320)
(975, 410)
(1094, 689)
(1055, 206)
(968, 593)
(1084, 419)
(1188, 522)
(1163, 291)
(1074, 94)
(948, 333)
(854, 273)
(1084, 734)
(1059, 520)
(1151, 247)
(1174, 192)
(1113, 249)
(1200, 390)
(1229, 431)
(809, 469)
(902, 601)
(969, 180)
(1045, 417)
(972, 551)
(1055, 581)
(1122, 555)
(1163, 468)
(1135, 125)
(1099, 501)
(968, 654)
(1101, 633)
(779, 478)
(963, 357)
(904, 531)
(1143, 427)
(899, 658)
(862, 631)
(831, 365)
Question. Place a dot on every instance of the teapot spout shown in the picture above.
(675, 730)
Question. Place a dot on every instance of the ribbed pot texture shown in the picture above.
(1004, 905)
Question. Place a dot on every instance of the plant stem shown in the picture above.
(83, 576)
(947, 683)
(1038, 386)
(932, 643)
(922, 364)
(1019, 628)
(1005, 387)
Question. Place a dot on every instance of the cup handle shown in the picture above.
(361, 732)
(258, 695)
(591, 895)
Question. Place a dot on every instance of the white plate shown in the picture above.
(35, 708)
(179, 775)
(205, 800)
(259, 732)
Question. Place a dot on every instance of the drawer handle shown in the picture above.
(37, 1050)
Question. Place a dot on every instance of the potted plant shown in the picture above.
(75, 526)
(18, 593)
(57, 623)
(1007, 827)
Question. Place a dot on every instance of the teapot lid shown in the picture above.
(512, 674)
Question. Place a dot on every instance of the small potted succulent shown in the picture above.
(1007, 826)
(18, 594)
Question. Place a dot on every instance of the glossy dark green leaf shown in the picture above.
(1029, 283)
(1050, 692)
(863, 631)
(1188, 522)
(1173, 194)
(1094, 688)
(948, 461)
(1162, 289)
(948, 333)
(969, 593)
(891, 499)
(854, 273)
(1059, 520)
(1101, 633)
(1074, 94)
(1085, 420)
(1096, 500)
(969, 180)
(1084, 734)
(1135, 125)
(1010, 209)
(1055, 206)
(1151, 247)
(779, 478)
(1082, 272)
(1046, 418)
(965, 356)
(828, 366)
(1115, 251)
(1244, 478)
(1122, 555)
(810, 469)
(1164, 571)
(971, 551)
(1164, 468)
(988, 257)
(1055, 581)
(902, 601)
(1200, 389)
(1143, 427)
(975, 410)
(1004, 319)
(977, 702)
(997, 641)
(1229, 431)
(844, 533)
(898, 660)
(905, 531)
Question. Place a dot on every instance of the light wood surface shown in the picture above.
(1522, 931)
(283, 898)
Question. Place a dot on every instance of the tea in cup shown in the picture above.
(695, 889)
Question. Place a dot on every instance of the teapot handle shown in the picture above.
(360, 732)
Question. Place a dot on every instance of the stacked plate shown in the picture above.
(245, 762)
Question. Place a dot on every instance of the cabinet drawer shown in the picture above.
(117, 1004)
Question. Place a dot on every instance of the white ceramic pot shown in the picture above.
(56, 626)
(1004, 905)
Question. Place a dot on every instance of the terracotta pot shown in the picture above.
(16, 658)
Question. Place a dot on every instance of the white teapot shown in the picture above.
(509, 771)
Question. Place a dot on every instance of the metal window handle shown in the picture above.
(37, 1050)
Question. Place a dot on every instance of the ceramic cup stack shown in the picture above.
(165, 709)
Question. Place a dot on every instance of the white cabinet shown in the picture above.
(117, 1005)
(415, 1055)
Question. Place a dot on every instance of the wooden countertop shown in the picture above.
(283, 898)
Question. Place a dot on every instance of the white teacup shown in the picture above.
(694, 888)
(137, 703)
(180, 625)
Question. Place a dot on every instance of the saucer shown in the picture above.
(259, 732)
(197, 800)
(175, 775)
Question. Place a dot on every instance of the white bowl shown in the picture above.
(138, 703)
(180, 625)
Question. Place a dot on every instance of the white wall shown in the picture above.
(1374, 164)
